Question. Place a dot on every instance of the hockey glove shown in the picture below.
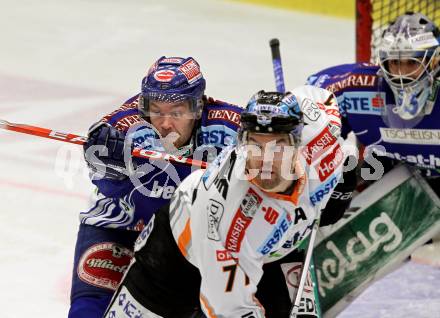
(341, 197)
(104, 152)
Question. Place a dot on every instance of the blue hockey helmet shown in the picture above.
(173, 79)
(412, 39)
(272, 112)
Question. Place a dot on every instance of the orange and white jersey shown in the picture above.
(228, 228)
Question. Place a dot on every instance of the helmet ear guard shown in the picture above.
(199, 108)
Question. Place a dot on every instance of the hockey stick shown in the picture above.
(305, 270)
(277, 67)
(279, 82)
(80, 140)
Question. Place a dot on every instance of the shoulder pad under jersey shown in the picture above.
(219, 124)
(220, 112)
(337, 78)
(320, 110)
(125, 116)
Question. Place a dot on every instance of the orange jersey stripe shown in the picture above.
(205, 303)
(185, 238)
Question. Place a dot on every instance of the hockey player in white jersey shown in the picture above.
(251, 208)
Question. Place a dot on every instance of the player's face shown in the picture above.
(172, 118)
(268, 156)
(412, 68)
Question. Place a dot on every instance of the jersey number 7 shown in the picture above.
(232, 269)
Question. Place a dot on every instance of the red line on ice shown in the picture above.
(41, 189)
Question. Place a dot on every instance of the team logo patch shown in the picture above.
(223, 255)
(354, 80)
(191, 71)
(366, 103)
(141, 240)
(318, 145)
(224, 114)
(127, 121)
(292, 273)
(276, 235)
(270, 215)
(164, 75)
(329, 163)
(215, 213)
(423, 160)
(125, 305)
(310, 109)
(237, 230)
(242, 220)
(216, 135)
(171, 60)
(410, 136)
(250, 203)
(324, 189)
(104, 264)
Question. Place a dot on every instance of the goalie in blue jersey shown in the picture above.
(393, 109)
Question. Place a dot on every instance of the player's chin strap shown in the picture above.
(80, 140)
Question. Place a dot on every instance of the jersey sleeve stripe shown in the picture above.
(207, 306)
(185, 238)
(259, 304)
(335, 122)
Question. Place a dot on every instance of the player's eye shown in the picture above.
(154, 114)
(177, 115)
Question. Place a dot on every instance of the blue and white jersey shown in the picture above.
(130, 203)
(362, 96)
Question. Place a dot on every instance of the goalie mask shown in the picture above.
(409, 61)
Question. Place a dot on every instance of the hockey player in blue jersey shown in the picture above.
(171, 105)
(392, 108)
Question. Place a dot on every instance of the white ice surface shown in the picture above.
(63, 64)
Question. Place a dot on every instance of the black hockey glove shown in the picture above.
(341, 197)
(104, 152)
